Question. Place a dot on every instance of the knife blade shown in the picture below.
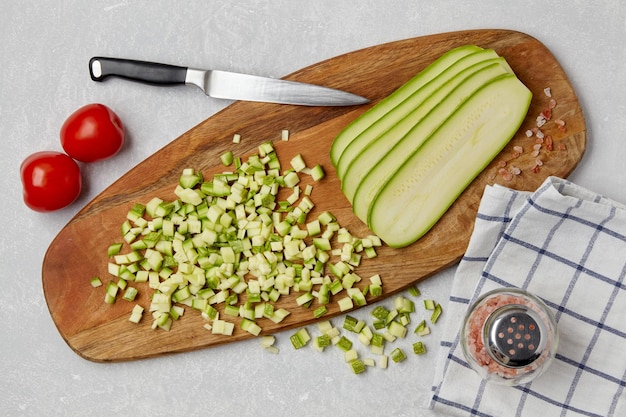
(223, 84)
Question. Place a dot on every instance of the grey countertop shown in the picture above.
(44, 53)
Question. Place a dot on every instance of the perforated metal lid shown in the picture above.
(515, 336)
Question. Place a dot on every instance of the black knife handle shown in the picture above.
(142, 71)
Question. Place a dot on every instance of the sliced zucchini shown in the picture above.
(429, 181)
(398, 96)
(369, 183)
(402, 112)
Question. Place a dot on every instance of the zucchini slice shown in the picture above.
(407, 135)
(426, 184)
(391, 101)
(443, 106)
(399, 113)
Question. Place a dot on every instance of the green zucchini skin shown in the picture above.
(405, 161)
(425, 185)
(395, 98)
(403, 142)
(402, 115)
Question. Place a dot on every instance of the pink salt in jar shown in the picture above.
(509, 336)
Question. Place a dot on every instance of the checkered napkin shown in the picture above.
(566, 245)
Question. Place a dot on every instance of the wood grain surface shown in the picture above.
(102, 332)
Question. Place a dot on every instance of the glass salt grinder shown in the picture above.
(509, 336)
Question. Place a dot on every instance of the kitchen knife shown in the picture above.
(223, 84)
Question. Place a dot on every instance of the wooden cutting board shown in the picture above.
(102, 332)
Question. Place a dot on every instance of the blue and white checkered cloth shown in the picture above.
(567, 246)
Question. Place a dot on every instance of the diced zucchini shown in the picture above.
(320, 311)
(436, 313)
(227, 158)
(345, 304)
(397, 355)
(344, 344)
(414, 291)
(350, 355)
(111, 292)
(297, 163)
(130, 294)
(397, 329)
(228, 241)
(357, 366)
(382, 363)
(136, 314)
(114, 249)
(267, 341)
(300, 338)
(250, 326)
(322, 341)
(380, 313)
(422, 329)
(317, 173)
(350, 323)
(95, 282)
(419, 348)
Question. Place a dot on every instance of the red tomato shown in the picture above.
(51, 180)
(92, 133)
